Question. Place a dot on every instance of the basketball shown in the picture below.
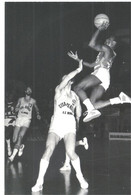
(99, 19)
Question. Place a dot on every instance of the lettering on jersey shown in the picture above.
(70, 106)
(28, 107)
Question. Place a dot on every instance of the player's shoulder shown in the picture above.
(33, 100)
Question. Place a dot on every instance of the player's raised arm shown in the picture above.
(70, 76)
(75, 57)
(93, 42)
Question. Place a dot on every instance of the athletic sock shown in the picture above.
(42, 170)
(88, 104)
(115, 100)
(8, 143)
(67, 160)
(76, 166)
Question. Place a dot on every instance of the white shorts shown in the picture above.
(104, 76)
(62, 125)
(7, 122)
(22, 122)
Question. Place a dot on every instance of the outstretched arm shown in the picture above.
(93, 42)
(70, 76)
(75, 57)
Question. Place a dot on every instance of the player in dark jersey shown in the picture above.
(63, 126)
(99, 80)
(9, 121)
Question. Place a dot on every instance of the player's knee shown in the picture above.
(70, 153)
(14, 139)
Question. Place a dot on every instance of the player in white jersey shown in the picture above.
(24, 109)
(64, 122)
(99, 80)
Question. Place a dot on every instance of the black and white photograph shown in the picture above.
(67, 98)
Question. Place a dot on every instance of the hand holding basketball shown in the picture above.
(101, 21)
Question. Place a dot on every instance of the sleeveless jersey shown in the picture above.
(25, 109)
(9, 110)
(101, 62)
(65, 104)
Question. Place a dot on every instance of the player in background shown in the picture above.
(10, 117)
(24, 109)
(63, 126)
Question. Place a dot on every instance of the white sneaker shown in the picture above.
(91, 115)
(11, 158)
(9, 151)
(86, 146)
(66, 167)
(124, 98)
(37, 188)
(82, 181)
(21, 150)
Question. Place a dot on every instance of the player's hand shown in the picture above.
(38, 117)
(104, 26)
(73, 55)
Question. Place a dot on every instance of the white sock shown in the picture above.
(80, 142)
(14, 153)
(8, 143)
(76, 166)
(67, 160)
(115, 100)
(42, 170)
(88, 104)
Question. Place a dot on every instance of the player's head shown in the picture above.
(28, 91)
(111, 41)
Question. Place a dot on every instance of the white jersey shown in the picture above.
(102, 63)
(26, 107)
(65, 104)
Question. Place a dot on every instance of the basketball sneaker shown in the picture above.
(37, 188)
(82, 181)
(11, 158)
(85, 142)
(124, 98)
(21, 150)
(91, 115)
(66, 167)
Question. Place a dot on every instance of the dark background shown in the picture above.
(38, 36)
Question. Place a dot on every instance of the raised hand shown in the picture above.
(104, 26)
(72, 55)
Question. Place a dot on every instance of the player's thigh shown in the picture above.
(52, 140)
(70, 141)
(97, 93)
(89, 81)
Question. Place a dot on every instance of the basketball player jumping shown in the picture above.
(24, 108)
(63, 125)
(100, 78)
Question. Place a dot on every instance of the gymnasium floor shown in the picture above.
(106, 165)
